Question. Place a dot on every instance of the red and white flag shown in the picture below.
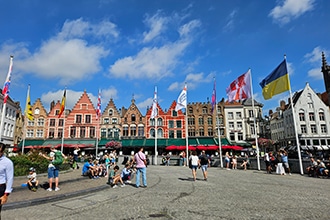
(5, 90)
(98, 109)
(240, 88)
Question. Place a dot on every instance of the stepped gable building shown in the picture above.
(19, 122)
(81, 122)
(326, 77)
(133, 122)
(54, 125)
(36, 129)
(110, 124)
(151, 123)
(174, 123)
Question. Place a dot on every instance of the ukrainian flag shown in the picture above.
(276, 82)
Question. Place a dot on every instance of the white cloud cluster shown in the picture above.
(290, 9)
(157, 25)
(314, 58)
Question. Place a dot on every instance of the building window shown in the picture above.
(152, 122)
(171, 134)
(232, 136)
(313, 129)
(133, 131)
(204, 110)
(230, 115)
(106, 120)
(201, 132)
(231, 125)
(160, 133)
(103, 133)
(323, 129)
(29, 133)
(191, 132)
(159, 122)
(125, 131)
(91, 132)
(30, 123)
(73, 132)
(178, 134)
(78, 118)
(200, 121)
(114, 121)
(170, 124)
(238, 115)
(40, 133)
(140, 131)
(191, 121)
(82, 132)
(239, 125)
(178, 124)
(303, 129)
(311, 116)
(301, 116)
(152, 132)
(133, 118)
(209, 121)
(251, 113)
(110, 112)
(60, 122)
(41, 122)
(321, 116)
(60, 133)
(240, 136)
(52, 122)
(190, 110)
(210, 132)
(174, 113)
(51, 133)
(87, 119)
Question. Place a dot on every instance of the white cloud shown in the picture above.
(315, 74)
(187, 29)
(314, 58)
(193, 80)
(230, 21)
(157, 26)
(290, 9)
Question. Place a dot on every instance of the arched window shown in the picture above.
(133, 118)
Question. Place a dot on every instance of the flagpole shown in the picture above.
(215, 112)
(5, 96)
(295, 126)
(25, 118)
(156, 151)
(98, 114)
(186, 124)
(254, 122)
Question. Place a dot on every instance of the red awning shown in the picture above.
(231, 147)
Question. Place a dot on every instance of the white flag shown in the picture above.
(182, 100)
(154, 105)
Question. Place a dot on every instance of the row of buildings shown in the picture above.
(234, 122)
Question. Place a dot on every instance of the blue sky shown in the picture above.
(126, 48)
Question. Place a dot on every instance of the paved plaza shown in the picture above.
(172, 194)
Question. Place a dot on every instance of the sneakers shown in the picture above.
(57, 189)
(49, 190)
(123, 185)
(114, 186)
(128, 182)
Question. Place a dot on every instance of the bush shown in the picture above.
(23, 162)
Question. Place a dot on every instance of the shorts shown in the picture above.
(194, 167)
(204, 167)
(53, 172)
(286, 165)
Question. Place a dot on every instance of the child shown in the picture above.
(32, 182)
(114, 178)
(234, 162)
(126, 174)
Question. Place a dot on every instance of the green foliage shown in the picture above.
(23, 162)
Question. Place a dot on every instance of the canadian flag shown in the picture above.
(240, 88)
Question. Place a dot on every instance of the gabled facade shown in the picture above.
(54, 125)
(174, 123)
(82, 122)
(133, 122)
(201, 122)
(151, 125)
(36, 129)
(111, 122)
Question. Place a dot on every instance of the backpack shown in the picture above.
(58, 158)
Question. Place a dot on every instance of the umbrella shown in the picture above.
(171, 147)
(230, 147)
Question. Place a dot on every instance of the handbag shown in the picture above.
(144, 161)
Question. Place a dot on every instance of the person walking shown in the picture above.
(285, 161)
(204, 162)
(6, 176)
(141, 162)
(194, 163)
(75, 157)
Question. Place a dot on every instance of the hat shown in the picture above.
(32, 169)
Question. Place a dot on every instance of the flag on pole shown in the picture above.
(62, 104)
(154, 105)
(276, 82)
(5, 90)
(98, 109)
(182, 100)
(28, 108)
(214, 97)
(240, 88)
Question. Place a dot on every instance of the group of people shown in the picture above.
(202, 161)
(318, 168)
(278, 162)
(231, 161)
